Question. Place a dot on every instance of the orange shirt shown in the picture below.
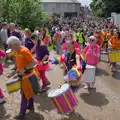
(100, 37)
(23, 58)
(46, 39)
(109, 36)
(115, 42)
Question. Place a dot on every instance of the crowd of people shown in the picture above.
(77, 41)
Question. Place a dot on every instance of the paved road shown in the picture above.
(101, 103)
(111, 79)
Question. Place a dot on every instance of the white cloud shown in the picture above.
(85, 2)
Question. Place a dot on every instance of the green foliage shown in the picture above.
(27, 13)
(103, 8)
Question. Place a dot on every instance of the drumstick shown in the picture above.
(59, 86)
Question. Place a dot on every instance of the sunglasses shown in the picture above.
(92, 40)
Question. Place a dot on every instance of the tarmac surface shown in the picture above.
(102, 103)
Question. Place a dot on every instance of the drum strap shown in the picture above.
(28, 75)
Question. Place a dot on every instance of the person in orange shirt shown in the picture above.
(45, 38)
(25, 63)
(100, 37)
(114, 43)
(110, 34)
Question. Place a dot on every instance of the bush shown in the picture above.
(27, 13)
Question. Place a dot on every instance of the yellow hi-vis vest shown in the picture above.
(81, 40)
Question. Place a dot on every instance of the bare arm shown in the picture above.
(78, 61)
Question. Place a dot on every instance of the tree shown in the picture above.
(27, 13)
(105, 7)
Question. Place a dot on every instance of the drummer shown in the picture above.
(70, 59)
(25, 62)
(92, 54)
(114, 43)
(42, 56)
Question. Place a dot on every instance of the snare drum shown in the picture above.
(9, 53)
(89, 74)
(13, 85)
(63, 98)
(114, 55)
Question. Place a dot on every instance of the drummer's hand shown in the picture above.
(3, 58)
(22, 71)
(41, 63)
(52, 60)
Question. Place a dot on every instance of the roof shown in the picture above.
(60, 1)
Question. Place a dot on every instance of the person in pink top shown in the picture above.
(92, 54)
(69, 37)
(2, 55)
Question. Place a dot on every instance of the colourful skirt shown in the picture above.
(42, 67)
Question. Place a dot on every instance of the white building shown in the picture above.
(61, 7)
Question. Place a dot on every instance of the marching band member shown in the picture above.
(99, 36)
(71, 59)
(45, 38)
(69, 37)
(92, 54)
(42, 56)
(2, 55)
(114, 43)
(29, 81)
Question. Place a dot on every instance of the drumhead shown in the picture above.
(90, 66)
(58, 91)
(12, 81)
(8, 51)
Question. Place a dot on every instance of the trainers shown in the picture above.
(19, 117)
(2, 101)
(113, 69)
(48, 83)
(43, 89)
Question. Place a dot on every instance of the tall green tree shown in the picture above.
(27, 13)
(105, 7)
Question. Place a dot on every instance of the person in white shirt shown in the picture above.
(4, 36)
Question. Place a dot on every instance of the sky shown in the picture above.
(85, 2)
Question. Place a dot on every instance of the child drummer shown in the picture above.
(72, 62)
